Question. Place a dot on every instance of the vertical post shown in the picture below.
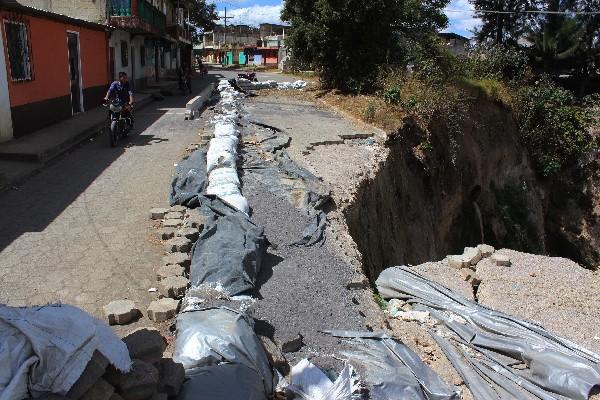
(225, 30)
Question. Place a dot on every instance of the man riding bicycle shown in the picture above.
(121, 90)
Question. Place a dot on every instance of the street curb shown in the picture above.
(64, 148)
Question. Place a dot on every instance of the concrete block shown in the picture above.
(458, 262)
(174, 286)
(158, 213)
(472, 255)
(101, 390)
(146, 344)
(178, 245)
(177, 259)
(121, 312)
(139, 384)
(501, 260)
(188, 233)
(486, 250)
(292, 344)
(163, 309)
(169, 270)
(91, 374)
(172, 223)
(196, 221)
(178, 208)
(171, 376)
(174, 215)
(275, 356)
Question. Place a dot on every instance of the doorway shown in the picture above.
(75, 72)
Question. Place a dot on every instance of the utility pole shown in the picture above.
(225, 18)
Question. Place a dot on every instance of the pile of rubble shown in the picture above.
(151, 376)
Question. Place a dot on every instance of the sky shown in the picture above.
(254, 12)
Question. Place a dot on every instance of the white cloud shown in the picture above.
(254, 15)
(461, 18)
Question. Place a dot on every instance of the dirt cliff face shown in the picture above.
(440, 191)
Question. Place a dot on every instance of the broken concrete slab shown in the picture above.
(121, 312)
(458, 262)
(146, 344)
(91, 374)
(158, 213)
(139, 384)
(472, 255)
(163, 309)
(171, 376)
(174, 286)
(181, 259)
(486, 250)
(169, 270)
(178, 245)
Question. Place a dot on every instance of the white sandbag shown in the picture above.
(292, 85)
(223, 175)
(310, 383)
(237, 201)
(224, 189)
(222, 152)
(225, 129)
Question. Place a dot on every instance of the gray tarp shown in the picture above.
(190, 180)
(391, 370)
(491, 349)
(230, 250)
(222, 356)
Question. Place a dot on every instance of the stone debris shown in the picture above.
(293, 344)
(146, 344)
(138, 384)
(181, 259)
(418, 316)
(91, 374)
(196, 221)
(458, 262)
(472, 255)
(174, 286)
(173, 215)
(169, 270)
(178, 245)
(358, 284)
(121, 312)
(162, 309)
(275, 356)
(178, 209)
(101, 390)
(172, 223)
(501, 260)
(171, 377)
(188, 233)
(158, 213)
(486, 250)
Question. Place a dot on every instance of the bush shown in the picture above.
(495, 62)
(554, 127)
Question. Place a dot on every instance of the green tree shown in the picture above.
(202, 16)
(347, 40)
(503, 29)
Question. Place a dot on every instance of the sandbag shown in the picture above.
(222, 356)
(222, 152)
(222, 176)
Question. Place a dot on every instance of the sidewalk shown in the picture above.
(20, 158)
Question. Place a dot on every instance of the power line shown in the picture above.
(524, 12)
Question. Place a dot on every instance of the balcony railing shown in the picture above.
(146, 13)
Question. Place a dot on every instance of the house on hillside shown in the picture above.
(454, 42)
(54, 66)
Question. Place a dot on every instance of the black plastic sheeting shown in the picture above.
(222, 356)
(190, 180)
(497, 355)
(230, 250)
(390, 370)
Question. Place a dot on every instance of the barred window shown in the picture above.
(19, 54)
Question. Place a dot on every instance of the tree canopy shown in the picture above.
(347, 40)
(202, 16)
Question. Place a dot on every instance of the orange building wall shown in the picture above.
(48, 46)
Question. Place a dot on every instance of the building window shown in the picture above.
(19, 53)
(124, 54)
(143, 56)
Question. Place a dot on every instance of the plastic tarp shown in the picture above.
(222, 356)
(46, 349)
(391, 370)
(310, 383)
(189, 180)
(230, 250)
(499, 356)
